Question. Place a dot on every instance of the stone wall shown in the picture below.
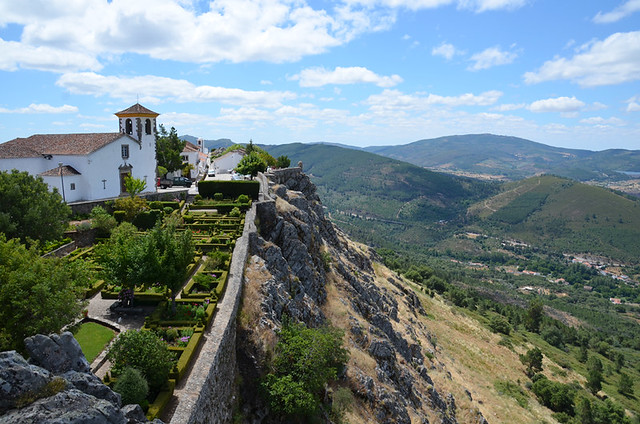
(85, 207)
(207, 395)
(281, 176)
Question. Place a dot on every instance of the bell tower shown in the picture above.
(140, 123)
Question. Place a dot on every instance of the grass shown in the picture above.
(93, 338)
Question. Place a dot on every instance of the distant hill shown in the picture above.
(511, 158)
(389, 196)
(564, 215)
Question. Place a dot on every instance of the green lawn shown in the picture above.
(93, 338)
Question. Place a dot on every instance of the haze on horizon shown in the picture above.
(356, 72)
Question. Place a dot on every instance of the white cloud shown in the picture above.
(600, 121)
(608, 62)
(395, 100)
(41, 108)
(154, 89)
(493, 56)
(486, 5)
(557, 104)
(318, 77)
(622, 11)
(507, 107)
(15, 55)
(446, 50)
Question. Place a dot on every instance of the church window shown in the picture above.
(129, 126)
(125, 151)
(73, 186)
(147, 126)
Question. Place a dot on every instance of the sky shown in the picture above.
(359, 72)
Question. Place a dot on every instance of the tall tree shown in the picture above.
(29, 210)
(37, 295)
(533, 319)
(625, 385)
(174, 251)
(532, 360)
(251, 164)
(594, 375)
(169, 149)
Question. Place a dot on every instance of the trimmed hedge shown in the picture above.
(186, 353)
(163, 398)
(229, 189)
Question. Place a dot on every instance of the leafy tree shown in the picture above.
(534, 316)
(283, 161)
(29, 210)
(144, 351)
(102, 221)
(127, 258)
(305, 360)
(583, 354)
(132, 386)
(169, 149)
(134, 186)
(173, 251)
(554, 395)
(251, 164)
(584, 415)
(594, 375)
(499, 324)
(131, 206)
(37, 295)
(532, 360)
(625, 385)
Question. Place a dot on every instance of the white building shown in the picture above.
(89, 166)
(226, 163)
(195, 156)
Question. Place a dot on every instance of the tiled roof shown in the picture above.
(190, 147)
(56, 144)
(55, 172)
(136, 109)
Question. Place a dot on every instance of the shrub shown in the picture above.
(243, 198)
(119, 216)
(283, 162)
(132, 386)
(218, 196)
(146, 352)
(102, 221)
(229, 189)
(167, 210)
(131, 206)
(499, 324)
(215, 260)
(235, 212)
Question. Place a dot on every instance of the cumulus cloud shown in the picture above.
(15, 55)
(557, 104)
(318, 77)
(446, 50)
(633, 104)
(620, 12)
(41, 108)
(493, 56)
(507, 107)
(600, 121)
(478, 6)
(395, 100)
(154, 89)
(611, 61)
(487, 5)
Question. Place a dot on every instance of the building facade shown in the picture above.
(89, 166)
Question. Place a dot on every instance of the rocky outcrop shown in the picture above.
(294, 257)
(56, 385)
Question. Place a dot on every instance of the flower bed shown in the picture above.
(189, 313)
(197, 289)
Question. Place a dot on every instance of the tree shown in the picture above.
(533, 361)
(251, 164)
(144, 351)
(174, 251)
(534, 316)
(169, 149)
(127, 258)
(584, 414)
(102, 221)
(594, 375)
(625, 385)
(134, 186)
(132, 386)
(37, 295)
(499, 324)
(305, 360)
(283, 162)
(29, 210)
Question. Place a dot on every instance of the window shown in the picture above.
(73, 186)
(125, 151)
(129, 126)
(147, 126)
(184, 158)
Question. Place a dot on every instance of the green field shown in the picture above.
(93, 338)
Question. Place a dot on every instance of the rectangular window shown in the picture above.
(125, 151)
(185, 158)
(73, 186)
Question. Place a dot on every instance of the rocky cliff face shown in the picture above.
(56, 385)
(301, 265)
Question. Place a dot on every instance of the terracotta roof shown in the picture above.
(137, 110)
(190, 147)
(55, 172)
(56, 144)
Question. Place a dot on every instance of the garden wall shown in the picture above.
(207, 391)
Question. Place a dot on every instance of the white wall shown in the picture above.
(226, 162)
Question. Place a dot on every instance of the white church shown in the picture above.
(89, 166)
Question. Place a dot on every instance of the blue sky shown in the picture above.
(360, 72)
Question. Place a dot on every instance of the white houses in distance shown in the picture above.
(89, 166)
